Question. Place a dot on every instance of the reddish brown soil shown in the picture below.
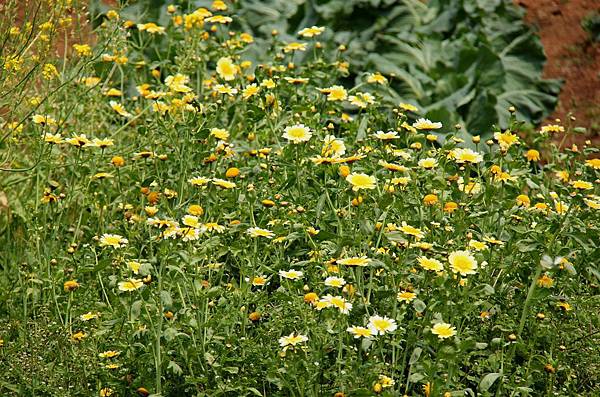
(572, 56)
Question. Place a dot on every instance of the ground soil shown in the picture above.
(572, 56)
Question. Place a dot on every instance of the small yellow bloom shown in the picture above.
(335, 93)
(294, 47)
(532, 155)
(311, 32)
(462, 262)
(71, 285)
(83, 50)
(523, 200)
(443, 330)
(377, 78)
(430, 199)
(226, 69)
(361, 181)
(297, 133)
(130, 285)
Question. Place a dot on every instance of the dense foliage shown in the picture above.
(177, 220)
(460, 61)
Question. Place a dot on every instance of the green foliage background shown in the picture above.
(462, 61)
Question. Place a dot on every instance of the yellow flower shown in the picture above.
(408, 107)
(430, 264)
(113, 92)
(462, 262)
(219, 5)
(212, 227)
(220, 133)
(134, 266)
(470, 188)
(219, 19)
(386, 136)
(311, 32)
(430, 199)
(376, 78)
(199, 181)
(532, 155)
(443, 330)
(112, 240)
(336, 301)
(294, 47)
(462, 156)
(563, 175)
(406, 296)
(552, 128)
(102, 175)
(335, 282)
(392, 166)
(259, 281)
(226, 68)
(292, 340)
(594, 163)
(250, 91)
(426, 125)
(564, 305)
(297, 133)
(151, 27)
(382, 325)
(450, 207)
(360, 261)
(106, 392)
(361, 99)
(592, 201)
(258, 232)
(49, 71)
(477, 245)
(523, 200)
(361, 332)
(88, 316)
(78, 140)
(191, 221)
(291, 274)
(102, 143)
(78, 336)
(109, 354)
(246, 38)
(130, 285)
(333, 146)
(428, 163)
(268, 83)
(335, 93)
(120, 109)
(411, 231)
(83, 50)
(506, 139)
(178, 83)
(582, 185)
(70, 285)
(43, 120)
(361, 181)
(223, 183)
(545, 281)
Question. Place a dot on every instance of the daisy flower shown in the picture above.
(297, 133)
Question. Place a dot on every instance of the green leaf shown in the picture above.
(414, 357)
(488, 380)
(175, 368)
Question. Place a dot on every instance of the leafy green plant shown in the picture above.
(461, 61)
(591, 23)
